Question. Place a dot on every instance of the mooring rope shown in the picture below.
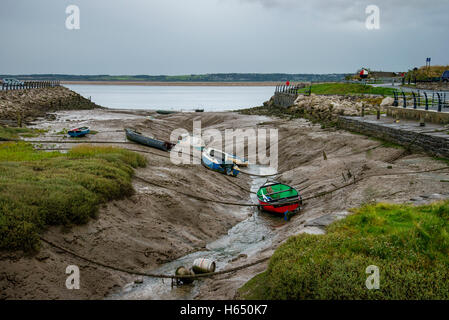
(149, 274)
(154, 275)
(320, 194)
(135, 150)
(356, 180)
(72, 141)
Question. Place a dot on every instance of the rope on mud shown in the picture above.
(258, 175)
(153, 275)
(195, 196)
(72, 141)
(356, 180)
(135, 150)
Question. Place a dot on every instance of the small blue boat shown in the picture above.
(79, 132)
(219, 161)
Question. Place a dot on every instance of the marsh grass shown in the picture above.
(409, 244)
(12, 133)
(38, 189)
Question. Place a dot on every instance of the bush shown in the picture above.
(409, 244)
(38, 189)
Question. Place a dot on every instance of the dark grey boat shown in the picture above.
(150, 142)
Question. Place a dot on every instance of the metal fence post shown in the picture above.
(414, 100)
(405, 99)
(439, 102)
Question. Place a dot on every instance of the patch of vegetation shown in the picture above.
(445, 160)
(64, 131)
(409, 244)
(347, 89)
(12, 133)
(38, 189)
(426, 73)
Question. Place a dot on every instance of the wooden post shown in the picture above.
(422, 121)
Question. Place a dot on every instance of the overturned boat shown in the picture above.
(279, 198)
(138, 137)
(220, 161)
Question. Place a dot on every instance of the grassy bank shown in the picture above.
(409, 244)
(10, 133)
(38, 189)
(347, 89)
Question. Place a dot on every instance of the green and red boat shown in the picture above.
(279, 198)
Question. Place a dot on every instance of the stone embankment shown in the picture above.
(22, 106)
(325, 109)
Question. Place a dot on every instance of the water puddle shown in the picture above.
(246, 238)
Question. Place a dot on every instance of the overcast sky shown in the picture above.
(220, 36)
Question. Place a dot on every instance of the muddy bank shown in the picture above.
(156, 226)
(27, 105)
(348, 156)
(150, 228)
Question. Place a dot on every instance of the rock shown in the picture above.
(42, 256)
(388, 101)
(240, 256)
(436, 196)
(326, 219)
(138, 280)
(312, 230)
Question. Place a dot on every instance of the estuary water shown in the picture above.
(179, 98)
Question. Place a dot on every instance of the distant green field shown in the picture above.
(409, 244)
(347, 89)
(38, 188)
(211, 77)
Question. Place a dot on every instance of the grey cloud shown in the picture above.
(206, 36)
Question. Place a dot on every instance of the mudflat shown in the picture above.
(157, 225)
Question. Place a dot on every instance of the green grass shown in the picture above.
(409, 244)
(38, 189)
(346, 89)
(10, 133)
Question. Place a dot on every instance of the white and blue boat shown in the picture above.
(219, 161)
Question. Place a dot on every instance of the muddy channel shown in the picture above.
(157, 230)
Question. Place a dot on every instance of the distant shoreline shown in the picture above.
(178, 83)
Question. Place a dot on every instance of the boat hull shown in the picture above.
(279, 210)
(149, 142)
(278, 198)
(75, 133)
(210, 163)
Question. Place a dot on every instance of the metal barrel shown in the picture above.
(183, 271)
(203, 266)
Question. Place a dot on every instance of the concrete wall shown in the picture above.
(415, 114)
(284, 100)
(432, 144)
